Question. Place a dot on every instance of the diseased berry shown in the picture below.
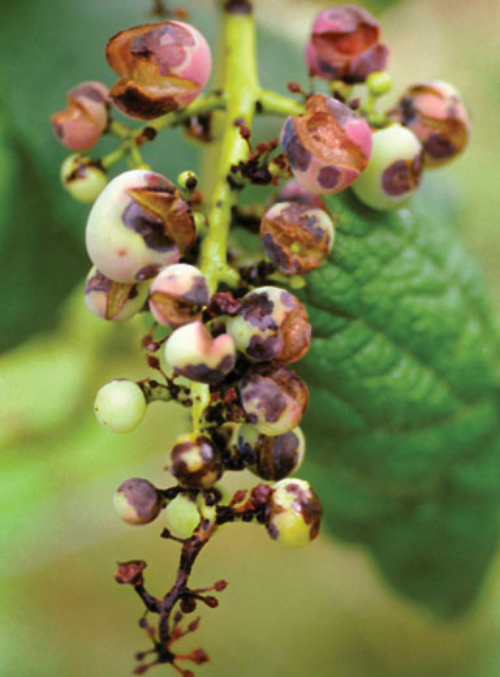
(182, 516)
(110, 300)
(272, 325)
(82, 178)
(138, 224)
(328, 147)
(81, 124)
(293, 515)
(344, 45)
(271, 457)
(162, 67)
(296, 237)
(436, 114)
(394, 171)
(195, 462)
(192, 352)
(292, 191)
(120, 406)
(137, 501)
(274, 399)
(178, 295)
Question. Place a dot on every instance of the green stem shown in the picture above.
(272, 103)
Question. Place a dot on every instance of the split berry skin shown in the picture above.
(178, 295)
(81, 124)
(120, 406)
(192, 352)
(296, 237)
(137, 502)
(436, 114)
(274, 399)
(272, 325)
(115, 301)
(293, 514)
(138, 224)
(82, 178)
(195, 462)
(328, 147)
(271, 457)
(162, 67)
(182, 516)
(394, 171)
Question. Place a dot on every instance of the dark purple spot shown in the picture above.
(98, 282)
(309, 222)
(408, 110)
(439, 147)
(287, 299)
(133, 100)
(297, 155)
(205, 374)
(264, 349)
(264, 395)
(146, 272)
(257, 310)
(327, 69)
(399, 178)
(148, 226)
(141, 495)
(279, 256)
(272, 530)
(198, 294)
(328, 177)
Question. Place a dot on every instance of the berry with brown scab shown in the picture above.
(271, 457)
(293, 515)
(82, 178)
(274, 399)
(192, 352)
(436, 114)
(178, 295)
(138, 224)
(195, 462)
(81, 124)
(272, 325)
(137, 501)
(110, 300)
(162, 67)
(394, 171)
(328, 147)
(296, 237)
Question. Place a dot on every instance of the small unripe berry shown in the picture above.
(293, 516)
(296, 237)
(274, 399)
(379, 83)
(195, 462)
(82, 123)
(138, 224)
(272, 325)
(192, 352)
(187, 180)
(271, 457)
(394, 171)
(328, 147)
(182, 516)
(436, 114)
(178, 295)
(83, 179)
(120, 406)
(137, 501)
(111, 300)
(162, 67)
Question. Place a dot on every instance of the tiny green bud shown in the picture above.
(120, 406)
(379, 83)
(83, 179)
(187, 180)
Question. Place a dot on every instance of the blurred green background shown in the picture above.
(321, 611)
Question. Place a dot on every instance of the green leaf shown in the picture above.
(404, 421)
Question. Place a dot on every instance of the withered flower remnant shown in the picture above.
(81, 124)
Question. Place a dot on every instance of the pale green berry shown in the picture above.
(137, 501)
(116, 301)
(182, 516)
(120, 406)
(394, 171)
(379, 83)
(83, 179)
(293, 515)
(271, 457)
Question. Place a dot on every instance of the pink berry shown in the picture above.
(178, 295)
(162, 67)
(81, 124)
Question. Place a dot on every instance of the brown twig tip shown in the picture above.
(130, 573)
(238, 6)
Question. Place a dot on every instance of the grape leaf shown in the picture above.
(404, 423)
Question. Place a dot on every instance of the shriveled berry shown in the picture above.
(436, 114)
(274, 399)
(195, 462)
(344, 45)
(394, 171)
(328, 147)
(293, 516)
(137, 501)
(292, 191)
(162, 67)
(82, 178)
(116, 301)
(296, 237)
(178, 295)
(120, 406)
(138, 224)
(192, 352)
(271, 457)
(182, 516)
(81, 124)
(272, 325)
